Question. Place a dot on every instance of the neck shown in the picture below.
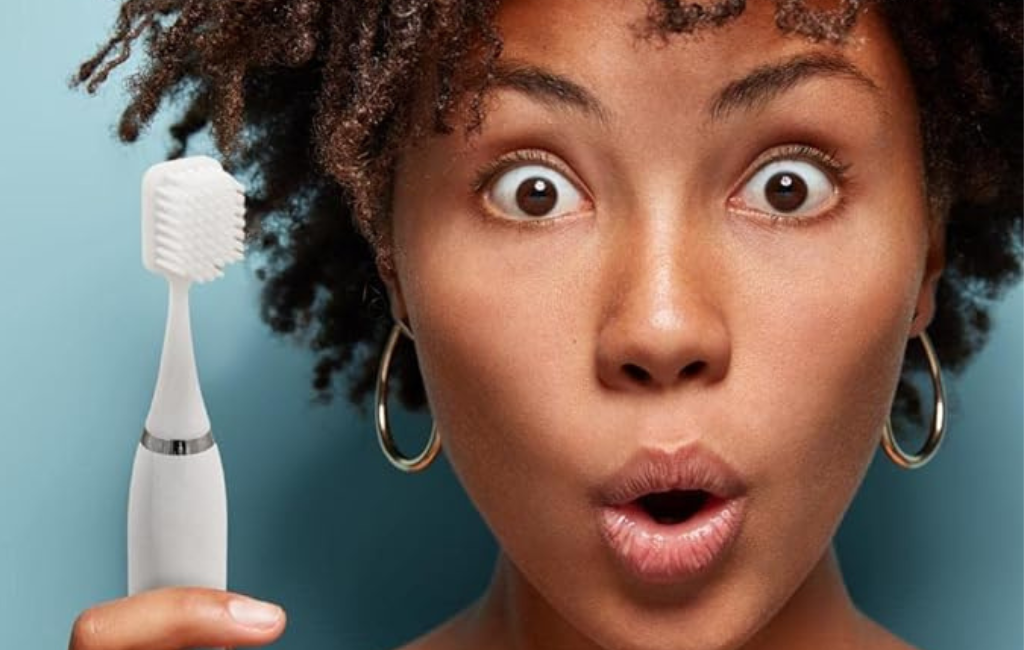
(511, 615)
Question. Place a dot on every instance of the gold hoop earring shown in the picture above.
(938, 425)
(384, 437)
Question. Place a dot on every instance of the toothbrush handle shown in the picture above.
(177, 515)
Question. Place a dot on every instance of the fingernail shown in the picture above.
(253, 613)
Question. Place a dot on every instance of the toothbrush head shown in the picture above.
(193, 222)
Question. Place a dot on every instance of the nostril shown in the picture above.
(692, 369)
(641, 375)
(636, 372)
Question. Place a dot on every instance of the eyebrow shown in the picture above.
(547, 87)
(764, 83)
(752, 91)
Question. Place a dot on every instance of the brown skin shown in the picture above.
(524, 331)
(173, 618)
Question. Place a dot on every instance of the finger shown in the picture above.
(174, 618)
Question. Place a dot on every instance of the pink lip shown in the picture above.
(661, 553)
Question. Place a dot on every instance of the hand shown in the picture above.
(174, 618)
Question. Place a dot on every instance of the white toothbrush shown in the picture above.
(192, 227)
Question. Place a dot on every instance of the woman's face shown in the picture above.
(716, 243)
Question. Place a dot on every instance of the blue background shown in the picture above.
(359, 555)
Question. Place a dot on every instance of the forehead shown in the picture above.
(601, 44)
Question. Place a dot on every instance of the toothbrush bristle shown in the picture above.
(193, 219)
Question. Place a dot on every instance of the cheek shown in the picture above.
(829, 337)
(490, 339)
(821, 366)
(820, 324)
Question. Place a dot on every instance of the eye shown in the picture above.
(789, 187)
(534, 192)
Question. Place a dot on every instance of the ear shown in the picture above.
(935, 262)
(396, 300)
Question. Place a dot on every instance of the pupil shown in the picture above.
(786, 192)
(535, 196)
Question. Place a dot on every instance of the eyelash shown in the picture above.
(838, 172)
(489, 170)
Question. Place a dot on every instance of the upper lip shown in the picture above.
(657, 470)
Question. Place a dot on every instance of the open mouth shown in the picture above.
(666, 516)
(673, 506)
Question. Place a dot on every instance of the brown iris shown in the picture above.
(536, 196)
(785, 191)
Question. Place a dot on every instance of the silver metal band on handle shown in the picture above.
(177, 447)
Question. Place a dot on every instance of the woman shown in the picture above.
(660, 264)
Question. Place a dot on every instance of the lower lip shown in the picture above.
(663, 553)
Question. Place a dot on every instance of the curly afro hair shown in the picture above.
(313, 100)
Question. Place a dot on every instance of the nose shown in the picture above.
(662, 326)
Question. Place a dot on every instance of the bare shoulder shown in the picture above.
(449, 635)
(879, 638)
(452, 635)
(426, 642)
